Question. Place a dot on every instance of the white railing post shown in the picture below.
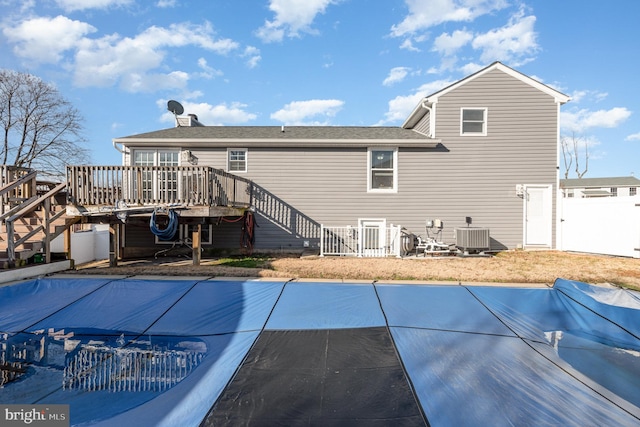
(321, 240)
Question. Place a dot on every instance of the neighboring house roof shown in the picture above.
(278, 136)
(621, 181)
(420, 109)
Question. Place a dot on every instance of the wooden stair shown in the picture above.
(33, 214)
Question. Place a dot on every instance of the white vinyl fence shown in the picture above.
(361, 241)
(604, 225)
(86, 245)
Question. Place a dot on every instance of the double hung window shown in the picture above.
(383, 169)
(237, 160)
(473, 121)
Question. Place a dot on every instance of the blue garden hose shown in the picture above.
(170, 231)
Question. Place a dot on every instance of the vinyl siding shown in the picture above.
(424, 125)
(465, 176)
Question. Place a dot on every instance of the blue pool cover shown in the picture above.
(188, 352)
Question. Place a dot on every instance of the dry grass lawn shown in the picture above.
(505, 267)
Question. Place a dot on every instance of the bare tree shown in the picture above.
(573, 149)
(41, 129)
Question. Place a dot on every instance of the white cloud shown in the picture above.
(401, 106)
(114, 59)
(45, 40)
(580, 120)
(73, 5)
(299, 112)
(471, 68)
(425, 14)
(253, 55)
(166, 3)
(515, 43)
(408, 45)
(397, 74)
(633, 137)
(292, 18)
(211, 115)
(208, 72)
(448, 44)
(592, 95)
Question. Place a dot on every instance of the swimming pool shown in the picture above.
(207, 351)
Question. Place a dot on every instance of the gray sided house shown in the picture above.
(482, 152)
(600, 187)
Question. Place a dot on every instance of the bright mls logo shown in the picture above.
(35, 415)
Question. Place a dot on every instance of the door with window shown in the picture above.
(538, 216)
(150, 184)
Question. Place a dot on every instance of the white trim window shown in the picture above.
(382, 167)
(237, 160)
(473, 121)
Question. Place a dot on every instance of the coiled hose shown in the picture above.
(166, 233)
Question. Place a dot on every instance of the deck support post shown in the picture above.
(113, 244)
(195, 239)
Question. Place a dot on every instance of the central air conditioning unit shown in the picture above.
(472, 239)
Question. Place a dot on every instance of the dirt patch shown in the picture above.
(505, 267)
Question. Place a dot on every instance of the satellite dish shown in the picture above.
(175, 107)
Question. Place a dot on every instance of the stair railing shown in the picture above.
(25, 208)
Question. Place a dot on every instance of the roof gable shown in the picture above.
(558, 96)
(426, 103)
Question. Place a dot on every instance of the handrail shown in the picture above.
(22, 180)
(15, 209)
(34, 204)
(155, 185)
(25, 208)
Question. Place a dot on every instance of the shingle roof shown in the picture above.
(621, 181)
(275, 132)
(273, 136)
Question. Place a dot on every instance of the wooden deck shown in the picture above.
(199, 191)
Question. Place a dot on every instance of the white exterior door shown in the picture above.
(372, 237)
(537, 215)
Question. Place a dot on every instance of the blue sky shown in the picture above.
(325, 62)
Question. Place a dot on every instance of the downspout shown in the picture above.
(121, 150)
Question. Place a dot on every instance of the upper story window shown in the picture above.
(614, 191)
(237, 160)
(632, 191)
(473, 121)
(383, 170)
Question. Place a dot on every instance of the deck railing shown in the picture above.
(17, 184)
(148, 185)
(361, 241)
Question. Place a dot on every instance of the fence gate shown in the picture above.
(371, 238)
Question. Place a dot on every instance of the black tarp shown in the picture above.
(319, 378)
